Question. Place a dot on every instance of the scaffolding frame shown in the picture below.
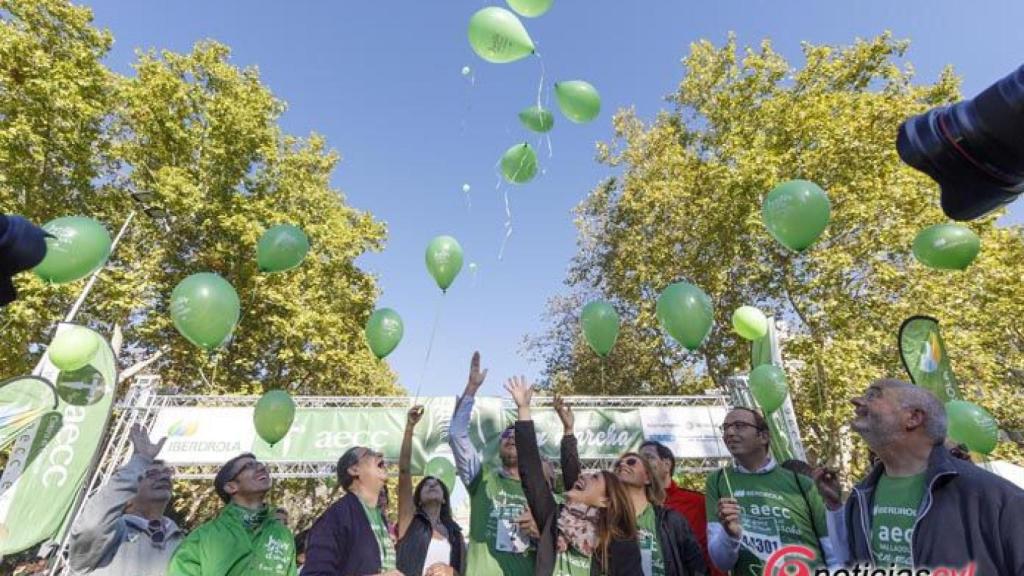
(141, 405)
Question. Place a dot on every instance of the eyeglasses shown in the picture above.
(250, 465)
(739, 427)
(630, 461)
(154, 473)
(155, 529)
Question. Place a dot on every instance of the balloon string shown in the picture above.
(430, 346)
(550, 152)
(603, 389)
(718, 443)
(540, 85)
(508, 226)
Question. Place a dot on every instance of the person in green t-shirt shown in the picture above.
(760, 507)
(499, 522)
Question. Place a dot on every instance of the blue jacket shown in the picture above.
(341, 542)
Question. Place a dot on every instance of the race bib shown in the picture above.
(510, 538)
(647, 561)
(760, 536)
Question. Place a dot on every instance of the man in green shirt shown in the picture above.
(498, 540)
(246, 539)
(758, 506)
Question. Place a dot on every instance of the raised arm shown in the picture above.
(406, 507)
(531, 470)
(571, 468)
(467, 457)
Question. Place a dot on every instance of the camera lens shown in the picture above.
(974, 149)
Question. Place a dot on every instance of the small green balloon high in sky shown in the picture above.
(537, 119)
(273, 416)
(281, 248)
(972, 425)
(600, 324)
(384, 330)
(441, 468)
(444, 260)
(530, 8)
(73, 348)
(750, 323)
(768, 386)
(686, 313)
(796, 213)
(946, 246)
(205, 309)
(498, 36)
(79, 247)
(578, 100)
(519, 164)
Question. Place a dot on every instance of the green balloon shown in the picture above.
(281, 248)
(497, 36)
(578, 100)
(384, 331)
(81, 387)
(530, 8)
(273, 416)
(750, 323)
(519, 164)
(537, 119)
(80, 247)
(444, 260)
(768, 386)
(946, 246)
(796, 213)
(442, 469)
(73, 348)
(600, 326)
(972, 425)
(205, 309)
(685, 311)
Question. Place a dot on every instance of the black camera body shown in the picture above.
(973, 149)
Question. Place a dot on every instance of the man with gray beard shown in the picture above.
(919, 507)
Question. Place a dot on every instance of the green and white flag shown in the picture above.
(924, 356)
(23, 401)
(50, 463)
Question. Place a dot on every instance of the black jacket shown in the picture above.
(341, 542)
(967, 515)
(412, 548)
(623, 555)
(679, 546)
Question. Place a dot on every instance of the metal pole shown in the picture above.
(92, 280)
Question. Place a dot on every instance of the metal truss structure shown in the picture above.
(142, 403)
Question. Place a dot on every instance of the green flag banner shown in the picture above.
(23, 400)
(782, 425)
(50, 463)
(199, 435)
(924, 356)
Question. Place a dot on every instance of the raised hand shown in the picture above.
(414, 416)
(476, 376)
(564, 414)
(520, 390)
(140, 441)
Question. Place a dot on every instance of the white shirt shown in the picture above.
(439, 552)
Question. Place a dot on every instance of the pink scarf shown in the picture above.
(577, 527)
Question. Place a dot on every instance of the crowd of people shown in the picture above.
(922, 505)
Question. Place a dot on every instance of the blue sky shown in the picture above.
(382, 81)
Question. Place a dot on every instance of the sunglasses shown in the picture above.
(508, 433)
(154, 473)
(630, 461)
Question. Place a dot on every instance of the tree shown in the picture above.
(198, 138)
(687, 207)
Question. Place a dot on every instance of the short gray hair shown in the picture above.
(917, 398)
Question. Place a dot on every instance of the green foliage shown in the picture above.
(197, 137)
(687, 207)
